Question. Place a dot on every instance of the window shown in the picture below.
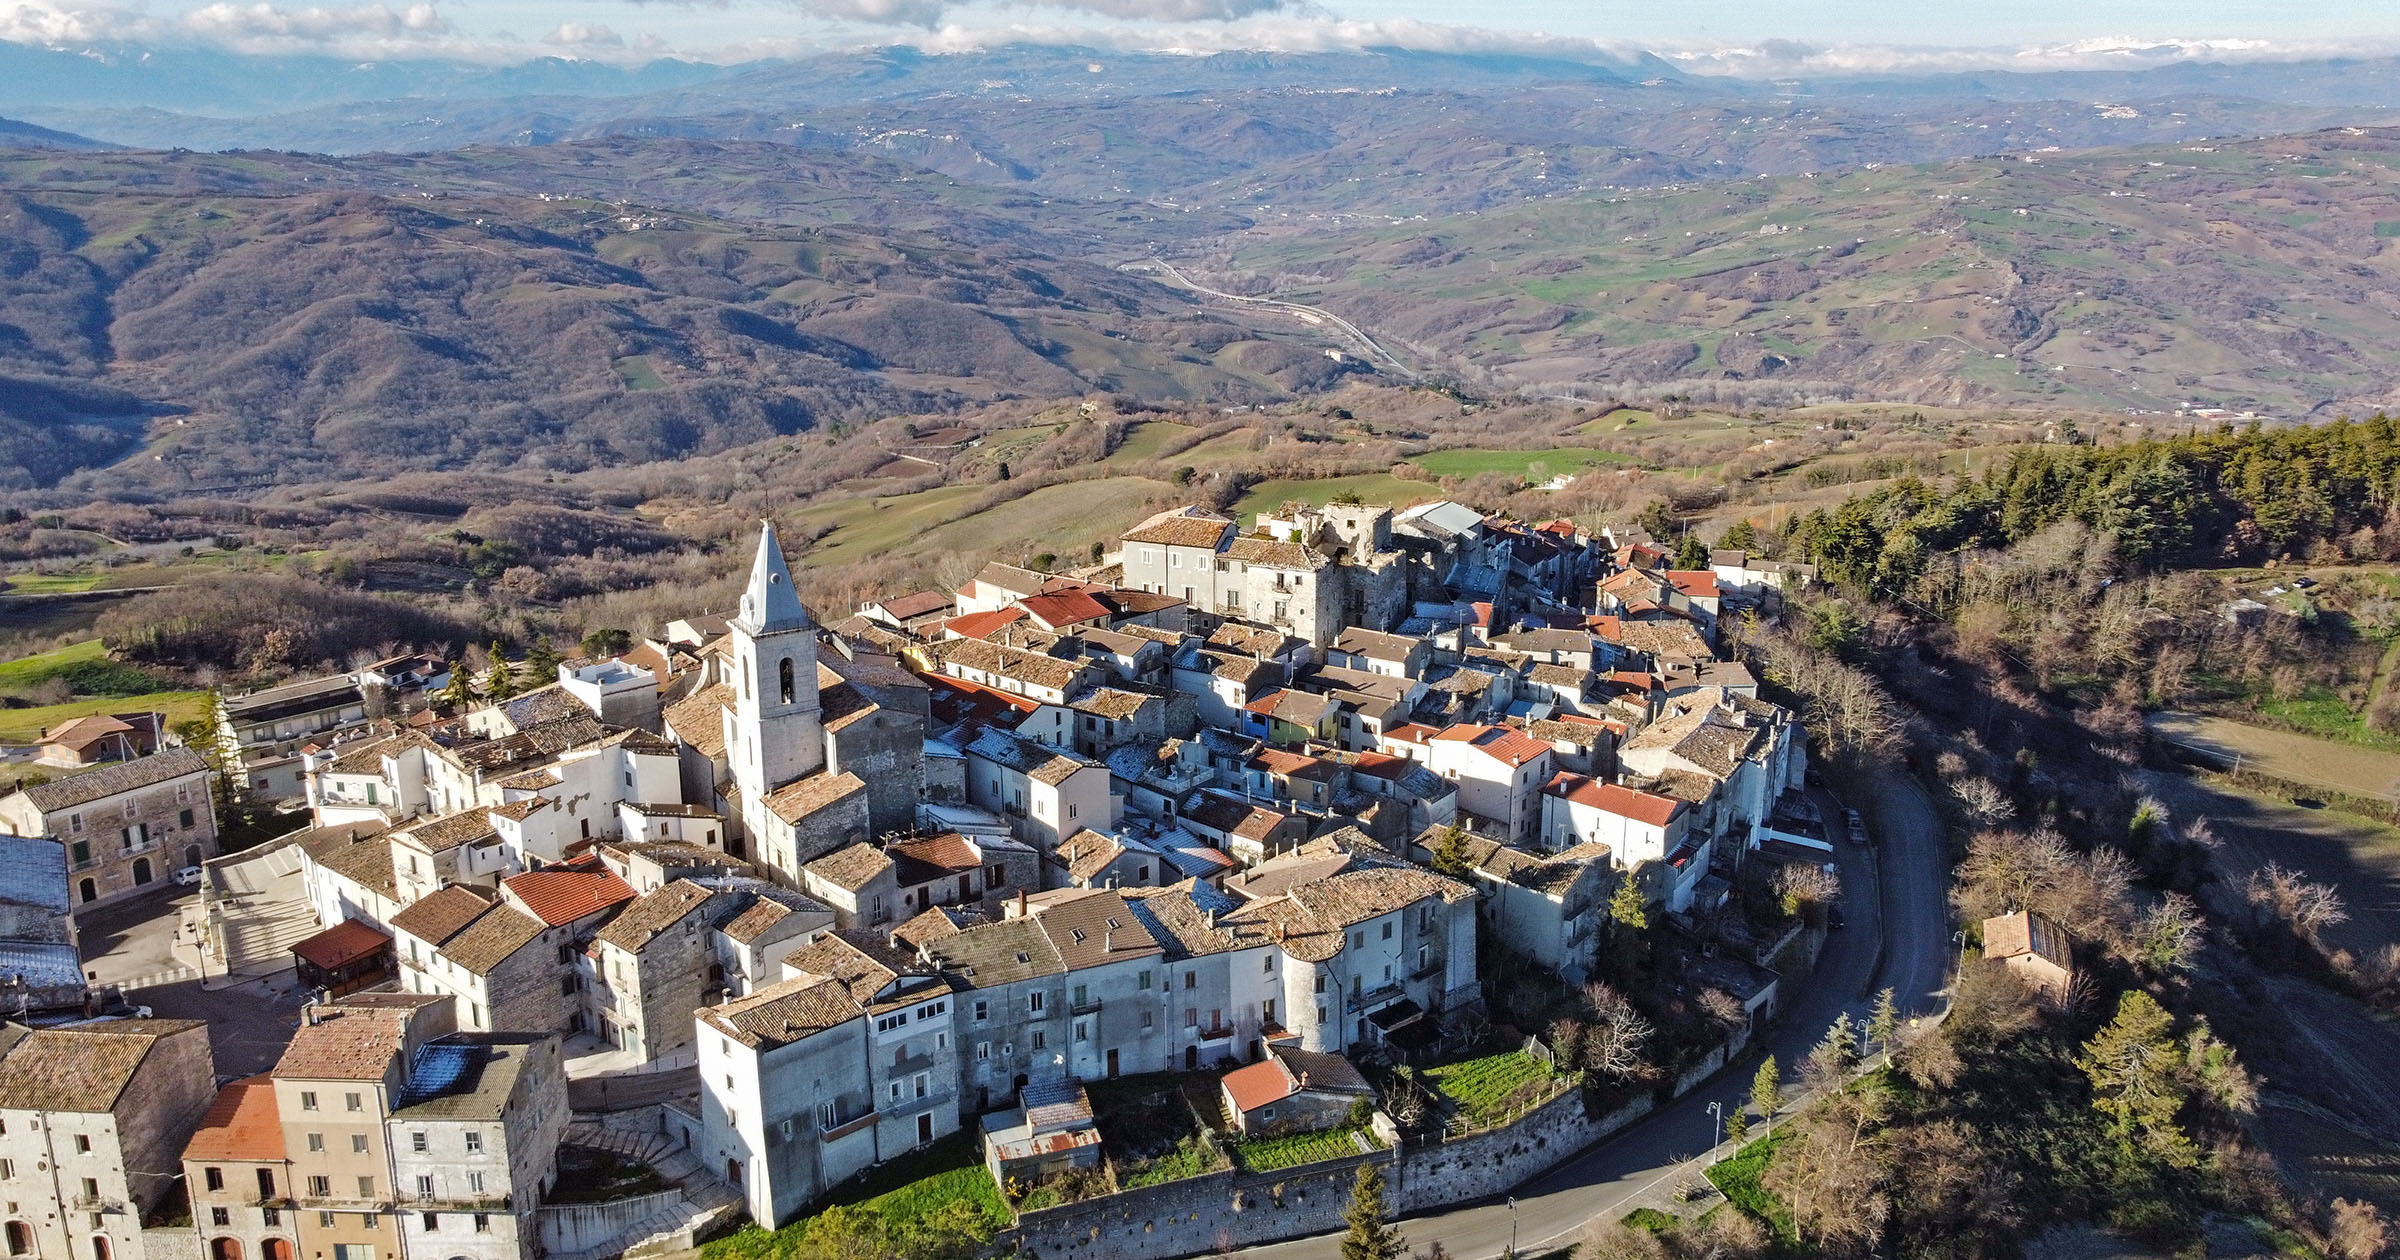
(214, 1177)
(1040, 1039)
(433, 1222)
(1358, 940)
(266, 1183)
(424, 1187)
(8, 1169)
(220, 1217)
(1387, 929)
(75, 823)
(350, 1102)
(1033, 1002)
(475, 1183)
(1320, 982)
(1144, 983)
(184, 820)
(320, 1187)
(358, 1143)
(83, 853)
(983, 1052)
(784, 676)
(416, 1141)
(325, 1221)
(1083, 1030)
(825, 1115)
(272, 1218)
(483, 1224)
(1149, 1020)
(1269, 960)
(474, 1142)
(83, 1143)
(316, 1141)
(1082, 995)
(982, 1011)
(1191, 980)
(366, 1220)
(308, 1100)
(366, 1187)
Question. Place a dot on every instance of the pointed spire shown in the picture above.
(770, 605)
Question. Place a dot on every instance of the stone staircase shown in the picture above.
(703, 1200)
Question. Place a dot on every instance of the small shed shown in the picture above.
(2039, 951)
(1293, 1091)
(1048, 1133)
(344, 958)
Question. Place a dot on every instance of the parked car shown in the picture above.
(1833, 918)
(1858, 827)
(188, 876)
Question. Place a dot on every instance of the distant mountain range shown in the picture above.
(635, 266)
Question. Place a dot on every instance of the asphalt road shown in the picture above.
(1905, 911)
(132, 943)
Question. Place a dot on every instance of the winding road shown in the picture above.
(1307, 314)
(1899, 935)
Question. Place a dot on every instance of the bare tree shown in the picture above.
(2357, 1231)
(1617, 1035)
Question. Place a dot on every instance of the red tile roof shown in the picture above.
(1498, 742)
(241, 1124)
(1064, 608)
(342, 944)
(559, 895)
(1259, 1084)
(1625, 802)
(949, 851)
(1694, 583)
(982, 625)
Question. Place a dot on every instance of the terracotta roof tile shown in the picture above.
(80, 1069)
(438, 916)
(241, 1124)
(799, 799)
(559, 895)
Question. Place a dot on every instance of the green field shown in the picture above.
(83, 666)
(27, 671)
(1266, 496)
(1534, 466)
(1300, 1148)
(52, 583)
(1489, 1090)
(24, 726)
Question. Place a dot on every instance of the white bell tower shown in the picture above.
(774, 734)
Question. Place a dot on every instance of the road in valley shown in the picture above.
(1306, 314)
(1899, 935)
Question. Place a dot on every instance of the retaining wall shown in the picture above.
(585, 1226)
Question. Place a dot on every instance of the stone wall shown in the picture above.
(1228, 1209)
(585, 1226)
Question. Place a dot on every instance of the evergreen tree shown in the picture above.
(460, 695)
(2136, 1080)
(1883, 1025)
(1630, 912)
(1838, 1053)
(1692, 553)
(1742, 537)
(1372, 1236)
(500, 682)
(541, 662)
(1766, 1092)
(1737, 1128)
(1450, 854)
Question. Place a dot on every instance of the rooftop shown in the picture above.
(241, 1124)
(84, 1068)
(114, 780)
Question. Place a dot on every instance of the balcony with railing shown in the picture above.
(1373, 997)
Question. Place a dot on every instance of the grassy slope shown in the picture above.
(23, 726)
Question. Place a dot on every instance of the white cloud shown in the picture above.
(1776, 58)
(577, 36)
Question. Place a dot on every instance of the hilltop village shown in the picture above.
(1276, 808)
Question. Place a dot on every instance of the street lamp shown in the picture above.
(1716, 1112)
(1512, 1227)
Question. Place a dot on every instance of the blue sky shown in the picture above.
(1793, 33)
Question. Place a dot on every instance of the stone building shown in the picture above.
(239, 1182)
(473, 1136)
(93, 1121)
(126, 826)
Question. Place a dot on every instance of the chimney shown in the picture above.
(1020, 903)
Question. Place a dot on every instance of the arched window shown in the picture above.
(275, 1249)
(224, 1249)
(99, 1247)
(88, 891)
(20, 1238)
(141, 871)
(785, 670)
